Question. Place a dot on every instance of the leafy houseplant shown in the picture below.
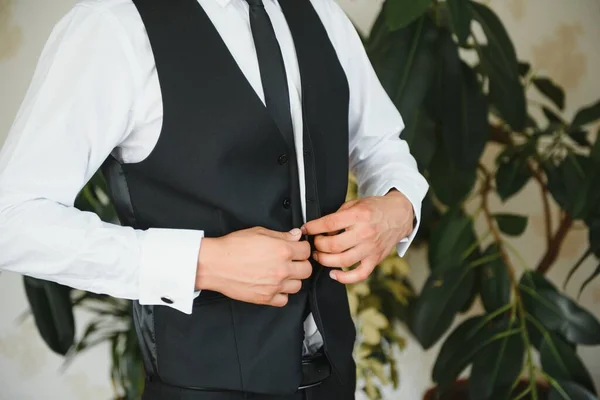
(453, 111)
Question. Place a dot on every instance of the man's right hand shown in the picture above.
(255, 265)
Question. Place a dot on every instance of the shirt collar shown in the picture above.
(225, 3)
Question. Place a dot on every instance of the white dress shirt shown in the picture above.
(95, 92)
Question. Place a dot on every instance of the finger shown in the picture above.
(358, 274)
(342, 260)
(332, 222)
(291, 286)
(339, 243)
(348, 204)
(279, 300)
(293, 236)
(300, 270)
(300, 250)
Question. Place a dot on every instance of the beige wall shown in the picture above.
(561, 39)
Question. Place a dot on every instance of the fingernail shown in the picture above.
(304, 229)
(332, 275)
(295, 231)
(315, 255)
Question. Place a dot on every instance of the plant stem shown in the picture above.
(537, 175)
(493, 229)
(532, 382)
(555, 244)
(523, 394)
(511, 273)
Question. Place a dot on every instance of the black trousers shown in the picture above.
(330, 389)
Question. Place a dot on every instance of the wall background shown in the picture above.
(559, 37)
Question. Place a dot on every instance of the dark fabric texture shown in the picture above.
(162, 392)
(330, 389)
(220, 166)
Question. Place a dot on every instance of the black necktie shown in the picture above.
(275, 88)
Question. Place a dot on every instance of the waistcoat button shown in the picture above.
(287, 203)
(282, 159)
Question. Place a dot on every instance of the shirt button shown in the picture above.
(167, 300)
(287, 203)
(282, 159)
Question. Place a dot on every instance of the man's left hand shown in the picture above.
(370, 228)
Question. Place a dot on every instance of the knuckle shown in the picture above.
(364, 213)
(368, 232)
(345, 261)
(306, 270)
(285, 252)
(329, 224)
(362, 274)
(305, 249)
(281, 274)
(335, 246)
(264, 298)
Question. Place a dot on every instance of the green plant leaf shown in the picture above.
(572, 185)
(53, 313)
(400, 13)
(496, 366)
(587, 115)
(511, 224)
(579, 136)
(594, 235)
(572, 391)
(450, 183)
(405, 62)
(552, 117)
(551, 90)
(536, 281)
(562, 315)
(450, 238)
(464, 110)
(512, 174)
(460, 14)
(499, 60)
(421, 138)
(474, 291)
(523, 67)
(459, 348)
(595, 152)
(442, 297)
(560, 361)
(495, 281)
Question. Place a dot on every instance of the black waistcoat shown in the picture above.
(218, 167)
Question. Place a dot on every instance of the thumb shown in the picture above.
(292, 236)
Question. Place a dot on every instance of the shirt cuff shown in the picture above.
(415, 200)
(169, 259)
